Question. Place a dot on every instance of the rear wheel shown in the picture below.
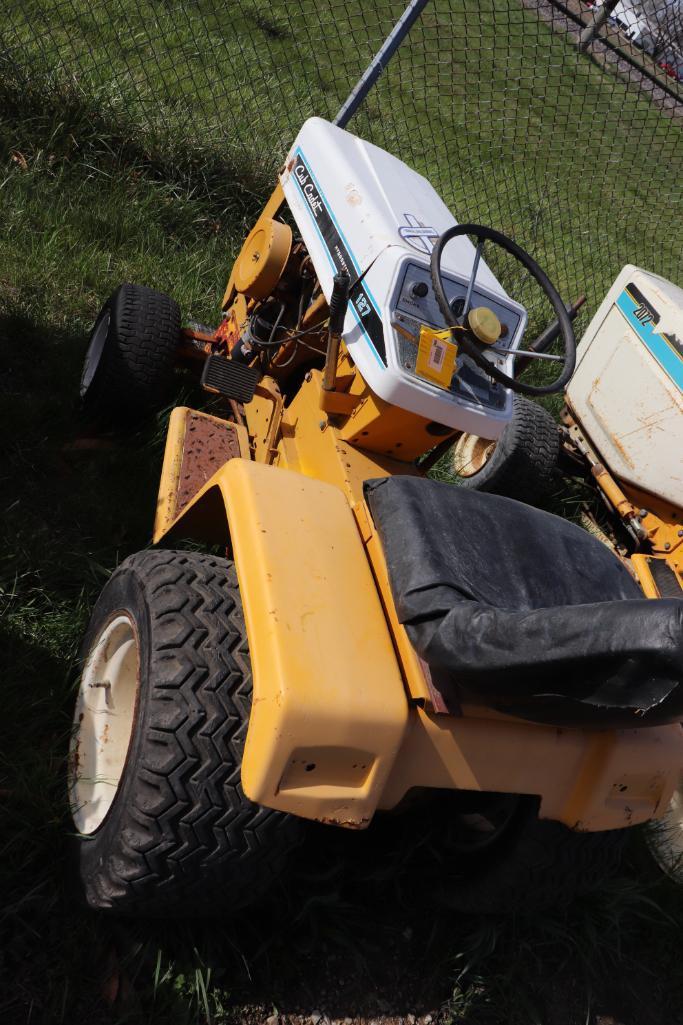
(131, 352)
(521, 464)
(159, 731)
(665, 837)
(503, 858)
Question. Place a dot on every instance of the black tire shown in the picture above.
(131, 354)
(180, 837)
(523, 463)
(535, 864)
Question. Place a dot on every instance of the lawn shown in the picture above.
(102, 181)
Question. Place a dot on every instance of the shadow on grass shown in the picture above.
(356, 928)
(49, 113)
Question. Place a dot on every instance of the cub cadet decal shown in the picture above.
(666, 348)
(308, 189)
(340, 256)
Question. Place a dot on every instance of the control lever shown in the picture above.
(339, 301)
(547, 336)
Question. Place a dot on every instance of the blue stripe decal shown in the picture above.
(341, 233)
(659, 347)
(356, 265)
(329, 209)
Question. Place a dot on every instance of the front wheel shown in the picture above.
(522, 464)
(163, 825)
(130, 357)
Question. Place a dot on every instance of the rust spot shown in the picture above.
(330, 820)
(105, 733)
(207, 447)
(353, 196)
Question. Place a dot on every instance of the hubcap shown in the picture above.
(94, 353)
(471, 453)
(103, 723)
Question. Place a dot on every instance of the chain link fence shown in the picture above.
(548, 121)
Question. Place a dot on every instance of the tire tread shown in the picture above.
(190, 841)
(136, 367)
(524, 462)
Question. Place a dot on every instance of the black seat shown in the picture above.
(524, 612)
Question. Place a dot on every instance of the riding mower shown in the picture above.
(347, 637)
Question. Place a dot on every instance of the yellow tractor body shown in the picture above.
(343, 720)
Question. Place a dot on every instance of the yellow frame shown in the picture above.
(337, 685)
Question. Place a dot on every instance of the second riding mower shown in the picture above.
(367, 633)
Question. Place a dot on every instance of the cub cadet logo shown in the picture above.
(417, 235)
(308, 188)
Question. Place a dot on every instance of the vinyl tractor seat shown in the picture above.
(525, 613)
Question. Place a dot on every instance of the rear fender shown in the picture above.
(329, 709)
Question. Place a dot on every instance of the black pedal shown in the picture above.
(229, 378)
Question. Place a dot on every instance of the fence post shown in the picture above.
(380, 61)
(596, 21)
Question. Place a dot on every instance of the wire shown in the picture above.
(294, 338)
(276, 325)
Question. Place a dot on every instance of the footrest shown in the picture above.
(196, 446)
(229, 378)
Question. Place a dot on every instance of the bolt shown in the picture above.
(309, 376)
(322, 425)
(680, 533)
(643, 512)
(667, 546)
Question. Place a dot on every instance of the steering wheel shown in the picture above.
(467, 340)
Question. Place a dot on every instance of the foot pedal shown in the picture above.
(229, 378)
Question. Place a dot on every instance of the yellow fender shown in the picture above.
(329, 710)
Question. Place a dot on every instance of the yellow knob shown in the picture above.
(484, 324)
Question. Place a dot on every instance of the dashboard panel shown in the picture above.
(414, 304)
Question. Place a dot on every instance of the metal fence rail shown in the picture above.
(576, 154)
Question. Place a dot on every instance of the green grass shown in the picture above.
(98, 184)
(513, 127)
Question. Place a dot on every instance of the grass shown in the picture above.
(98, 184)
(513, 127)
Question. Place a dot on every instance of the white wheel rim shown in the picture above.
(103, 722)
(668, 838)
(471, 453)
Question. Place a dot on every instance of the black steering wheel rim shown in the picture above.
(468, 345)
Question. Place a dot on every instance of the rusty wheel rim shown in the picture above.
(471, 454)
(103, 722)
